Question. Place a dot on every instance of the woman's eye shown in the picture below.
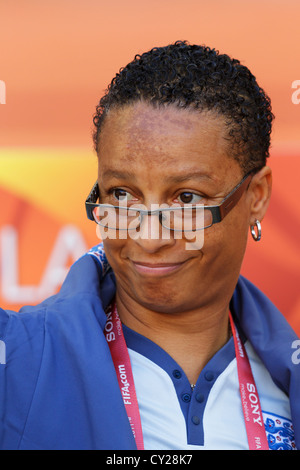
(121, 194)
(189, 198)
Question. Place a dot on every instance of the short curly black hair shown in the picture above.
(198, 77)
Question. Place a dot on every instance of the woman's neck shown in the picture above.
(190, 338)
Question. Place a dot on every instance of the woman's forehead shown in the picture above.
(146, 136)
(144, 118)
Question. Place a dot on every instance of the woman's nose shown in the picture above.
(151, 235)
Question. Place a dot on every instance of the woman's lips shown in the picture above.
(157, 268)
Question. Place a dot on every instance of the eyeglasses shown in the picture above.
(174, 218)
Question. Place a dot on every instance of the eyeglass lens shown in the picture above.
(177, 219)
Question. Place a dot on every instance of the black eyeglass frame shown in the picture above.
(218, 211)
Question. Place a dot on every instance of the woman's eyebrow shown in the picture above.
(110, 173)
(188, 176)
(178, 178)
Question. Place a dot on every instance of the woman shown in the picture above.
(155, 341)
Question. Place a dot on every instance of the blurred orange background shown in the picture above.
(56, 59)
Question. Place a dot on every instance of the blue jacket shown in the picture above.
(58, 387)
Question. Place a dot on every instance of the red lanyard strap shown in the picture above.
(253, 417)
(119, 353)
(250, 401)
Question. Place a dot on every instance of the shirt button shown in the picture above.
(195, 420)
(200, 398)
(209, 376)
(186, 397)
(177, 374)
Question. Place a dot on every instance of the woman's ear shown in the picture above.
(260, 192)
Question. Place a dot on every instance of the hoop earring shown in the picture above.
(256, 235)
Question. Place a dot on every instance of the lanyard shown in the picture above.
(250, 401)
(253, 417)
(120, 356)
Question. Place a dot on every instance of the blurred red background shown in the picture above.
(57, 58)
